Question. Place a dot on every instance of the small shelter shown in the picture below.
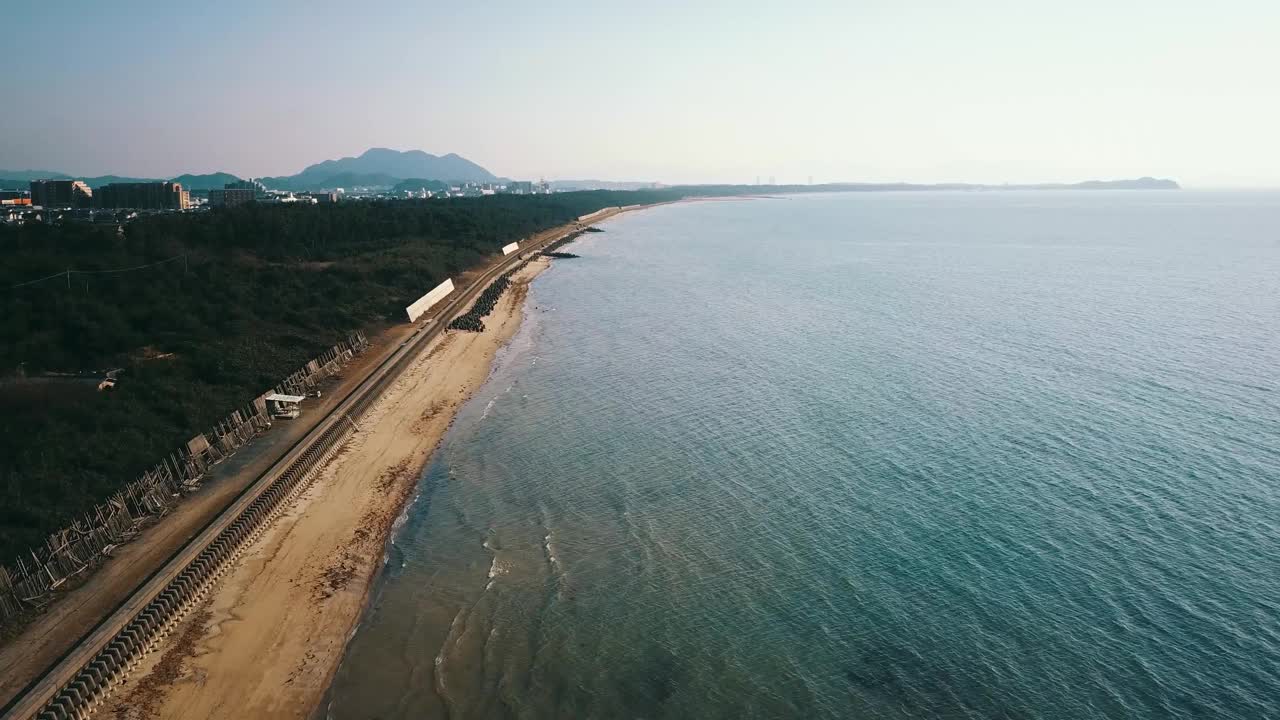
(280, 405)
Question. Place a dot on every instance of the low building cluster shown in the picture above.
(54, 200)
(106, 216)
(472, 189)
(15, 198)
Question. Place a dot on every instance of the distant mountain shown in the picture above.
(26, 176)
(23, 178)
(408, 164)
(1142, 183)
(97, 182)
(299, 183)
(377, 167)
(210, 181)
(416, 184)
(413, 170)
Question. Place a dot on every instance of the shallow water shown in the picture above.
(991, 455)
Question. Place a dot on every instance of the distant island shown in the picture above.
(1142, 183)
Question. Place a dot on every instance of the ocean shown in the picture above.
(883, 455)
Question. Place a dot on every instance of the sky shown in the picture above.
(676, 92)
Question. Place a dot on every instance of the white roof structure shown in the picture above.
(278, 397)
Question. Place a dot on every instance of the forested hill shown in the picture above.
(246, 296)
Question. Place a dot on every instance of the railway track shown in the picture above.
(83, 677)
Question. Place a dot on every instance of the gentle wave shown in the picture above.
(968, 456)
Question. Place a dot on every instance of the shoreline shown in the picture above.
(274, 631)
(272, 634)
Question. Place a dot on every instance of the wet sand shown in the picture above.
(268, 639)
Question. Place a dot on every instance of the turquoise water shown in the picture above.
(988, 455)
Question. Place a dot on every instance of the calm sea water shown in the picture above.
(997, 455)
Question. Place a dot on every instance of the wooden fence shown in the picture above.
(31, 582)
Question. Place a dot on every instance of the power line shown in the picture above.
(33, 282)
(69, 272)
(129, 269)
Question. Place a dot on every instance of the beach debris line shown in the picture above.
(473, 320)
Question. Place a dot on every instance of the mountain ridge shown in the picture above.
(189, 181)
(396, 164)
(373, 167)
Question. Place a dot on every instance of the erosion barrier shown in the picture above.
(473, 319)
(568, 239)
(30, 583)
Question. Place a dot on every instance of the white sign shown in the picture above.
(508, 249)
(424, 303)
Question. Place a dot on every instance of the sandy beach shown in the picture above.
(267, 641)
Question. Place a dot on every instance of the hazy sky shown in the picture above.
(979, 90)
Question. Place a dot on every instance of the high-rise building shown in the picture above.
(249, 184)
(143, 196)
(61, 193)
(231, 196)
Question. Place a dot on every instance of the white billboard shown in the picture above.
(508, 249)
(424, 303)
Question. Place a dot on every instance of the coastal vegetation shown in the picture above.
(202, 312)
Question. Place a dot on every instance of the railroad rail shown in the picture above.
(83, 677)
